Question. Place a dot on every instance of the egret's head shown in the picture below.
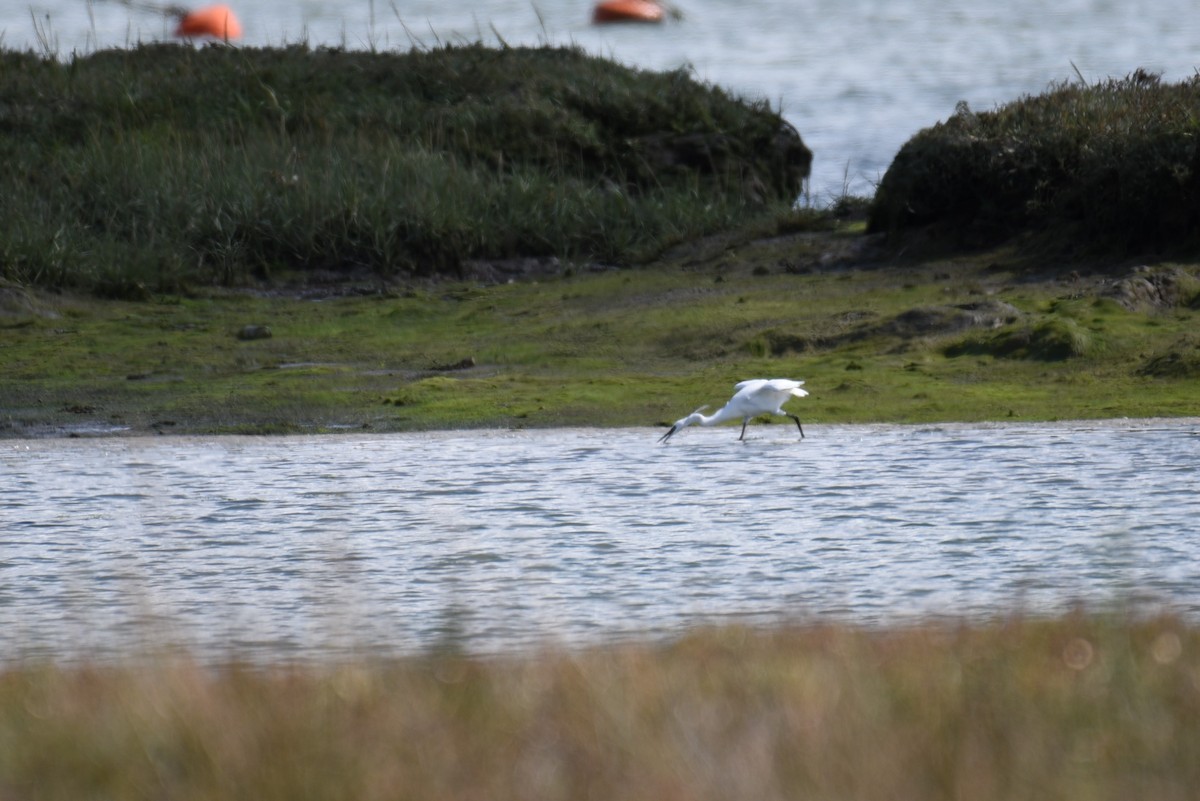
(690, 420)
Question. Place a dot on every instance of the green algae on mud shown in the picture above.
(965, 338)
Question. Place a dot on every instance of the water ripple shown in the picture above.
(310, 547)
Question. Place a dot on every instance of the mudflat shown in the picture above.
(986, 335)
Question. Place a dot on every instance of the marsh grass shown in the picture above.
(162, 166)
(1093, 169)
(1080, 708)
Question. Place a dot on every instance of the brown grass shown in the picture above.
(1083, 707)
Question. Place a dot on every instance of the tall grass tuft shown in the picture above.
(163, 164)
(1109, 167)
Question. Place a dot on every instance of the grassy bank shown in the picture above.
(223, 240)
(1083, 708)
(163, 167)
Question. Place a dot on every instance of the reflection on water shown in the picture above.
(311, 547)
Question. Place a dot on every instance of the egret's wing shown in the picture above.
(786, 386)
(750, 384)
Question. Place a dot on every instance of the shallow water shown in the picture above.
(857, 77)
(297, 548)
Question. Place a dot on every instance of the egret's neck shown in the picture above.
(719, 416)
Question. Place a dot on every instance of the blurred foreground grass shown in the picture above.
(1080, 707)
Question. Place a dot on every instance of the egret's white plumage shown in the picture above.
(752, 398)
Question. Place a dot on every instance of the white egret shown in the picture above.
(753, 397)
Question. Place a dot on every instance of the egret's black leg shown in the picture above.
(743, 436)
(797, 419)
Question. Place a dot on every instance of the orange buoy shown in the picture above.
(216, 21)
(627, 11)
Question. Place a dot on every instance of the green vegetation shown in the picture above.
(444, 238)
(954, 339)
(162, 167)
(1104, 168)
(1081, 708)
